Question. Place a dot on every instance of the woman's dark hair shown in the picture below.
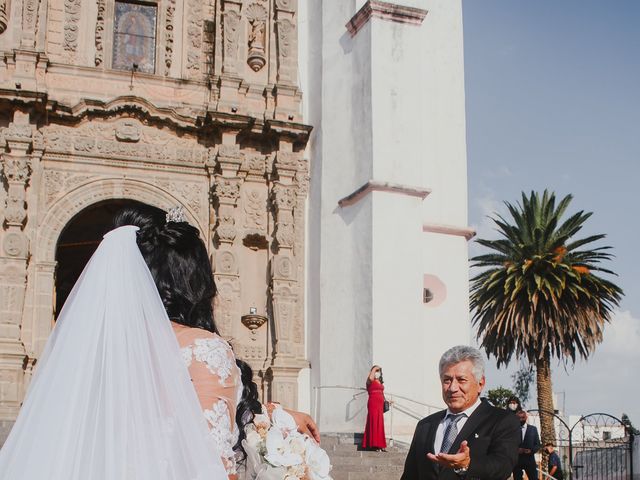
(180, 266)
(249, 404)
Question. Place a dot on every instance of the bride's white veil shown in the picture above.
(111, 398)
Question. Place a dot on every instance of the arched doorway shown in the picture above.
(79, 240)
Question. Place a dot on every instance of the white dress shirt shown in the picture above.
(437, 443)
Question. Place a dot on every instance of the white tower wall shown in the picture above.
(387, 106)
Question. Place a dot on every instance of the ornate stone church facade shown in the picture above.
(168, 102)
(333, 247)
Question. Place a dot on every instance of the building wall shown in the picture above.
(384, 86)
(214, 127)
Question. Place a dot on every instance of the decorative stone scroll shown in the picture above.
(257, 17)
(168, 42)
(100, 19)
(71, 26)
(4, 15)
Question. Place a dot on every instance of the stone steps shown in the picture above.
(350, 462)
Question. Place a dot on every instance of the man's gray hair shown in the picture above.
(460, 353)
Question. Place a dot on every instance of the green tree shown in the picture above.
(522, 380)
(626, 421)
(538, 295)
(499, 396)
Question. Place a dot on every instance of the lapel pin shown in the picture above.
(475, 435)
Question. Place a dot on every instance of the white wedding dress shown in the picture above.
(111, 397)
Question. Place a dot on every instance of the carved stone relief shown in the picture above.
(127, 138)
(29, 22)
(4, 15)
(190, 193)
(168, 43)
(231, 35)
(286, 31)
(257, 17)
(100, 19)
(227, 303)
(57, 183)
(195, 22)
(71, 26)
(255, 212)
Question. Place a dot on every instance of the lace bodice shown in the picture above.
(216, 379)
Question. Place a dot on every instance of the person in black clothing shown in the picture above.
(529, 445)
(554, 466)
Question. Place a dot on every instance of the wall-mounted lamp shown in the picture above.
(253, 321)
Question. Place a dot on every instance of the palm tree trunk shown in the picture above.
(545, 405)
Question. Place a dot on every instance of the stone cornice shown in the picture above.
(377, 186)
(385, 11)
(445, 229)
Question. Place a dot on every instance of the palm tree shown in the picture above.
(538, 296)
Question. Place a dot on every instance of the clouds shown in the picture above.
(606, 382)
(621, 338)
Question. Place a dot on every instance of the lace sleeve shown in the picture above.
(216, 379)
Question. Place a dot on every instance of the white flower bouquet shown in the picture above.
(276, 450)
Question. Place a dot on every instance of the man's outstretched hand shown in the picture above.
(453, 460)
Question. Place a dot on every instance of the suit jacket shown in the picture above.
(493, 436)
(531, 441)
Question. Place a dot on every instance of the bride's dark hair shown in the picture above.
(180, 266)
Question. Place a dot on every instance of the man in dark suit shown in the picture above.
(470, 439)
(529, 445)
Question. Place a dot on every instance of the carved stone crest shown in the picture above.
(128, 131)
(226, 262)
(15, 244)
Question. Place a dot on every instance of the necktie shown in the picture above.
(451, 431)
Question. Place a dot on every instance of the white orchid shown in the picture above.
(279, 452)
(317, 461)
(253, 438)
(283, 421)
(276, 450)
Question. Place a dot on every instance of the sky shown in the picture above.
(553, 101)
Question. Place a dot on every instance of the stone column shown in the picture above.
(226, 194)
(16, 170)
(285, 291)
(230, 80)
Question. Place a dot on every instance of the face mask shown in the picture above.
(376, 375)
(513, 407)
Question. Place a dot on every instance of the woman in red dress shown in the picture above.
(374, 437)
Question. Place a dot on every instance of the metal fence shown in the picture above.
(597, 446)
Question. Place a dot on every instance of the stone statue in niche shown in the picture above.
(257, 16)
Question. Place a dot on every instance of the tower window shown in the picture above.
(134, 36)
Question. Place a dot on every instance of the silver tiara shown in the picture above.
(176, 214)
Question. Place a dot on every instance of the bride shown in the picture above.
(111, 398)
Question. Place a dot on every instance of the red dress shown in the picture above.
(374, 430)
